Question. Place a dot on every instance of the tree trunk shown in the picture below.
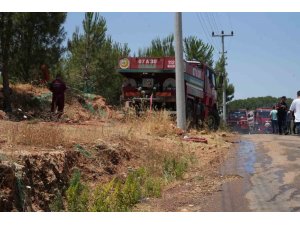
(6, 23)
(6, 89)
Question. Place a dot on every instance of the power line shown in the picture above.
(208, 19)
(217, 27)
(204, 31)
(229, 19)
(214, 19)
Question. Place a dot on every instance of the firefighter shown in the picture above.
(58, 88)
(281, 115)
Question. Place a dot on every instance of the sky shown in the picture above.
(263, 55)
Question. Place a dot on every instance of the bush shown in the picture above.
(77, 194)
(116, 196)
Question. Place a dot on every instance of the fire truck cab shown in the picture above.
(238, 120)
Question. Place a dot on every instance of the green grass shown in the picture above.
(115, 196)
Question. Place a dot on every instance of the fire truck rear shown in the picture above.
(150, 82)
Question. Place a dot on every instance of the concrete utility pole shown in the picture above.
(222, 35)
(180, 90)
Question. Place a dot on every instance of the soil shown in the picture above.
(34, 170)
(200, 183)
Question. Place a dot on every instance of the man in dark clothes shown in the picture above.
(58, 88)
(281, 114)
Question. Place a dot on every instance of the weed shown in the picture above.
(77, 194)
(132, 191)
(116, 196)
(152, 187)
(57, 205)
(174, 168)
(83, 151)
(109, 198)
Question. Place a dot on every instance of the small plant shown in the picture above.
(116, 196)
(107, 197)
(77, 194)
(57, 205)
(152, 187)
(131, 190)
(174, 168)
(83, 151)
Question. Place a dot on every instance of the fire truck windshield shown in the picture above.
(264, 114)
(237, 115)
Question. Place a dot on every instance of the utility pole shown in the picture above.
(179, 77)
(222, 35)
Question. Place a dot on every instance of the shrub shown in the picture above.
(77, 194)
(174, 168)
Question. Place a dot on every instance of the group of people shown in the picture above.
(286, 120)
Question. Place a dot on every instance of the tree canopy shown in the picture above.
(256, 102)
(29, 40)
(92, 57)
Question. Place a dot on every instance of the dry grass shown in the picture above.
(40, 135)
(29, 89)
(152, 138)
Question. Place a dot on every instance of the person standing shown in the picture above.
(281, 115)
(289, 122)
(273, 115)
(295, 106)
(58, 88)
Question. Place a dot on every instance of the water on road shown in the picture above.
(268, 167)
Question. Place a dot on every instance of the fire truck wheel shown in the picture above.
(211, 122)
(189, 112)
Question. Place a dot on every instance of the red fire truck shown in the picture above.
(238, 120)
(263, 120)
(151, 82)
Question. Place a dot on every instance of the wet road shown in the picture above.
(268, 167)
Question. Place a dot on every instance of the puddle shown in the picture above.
(246, 157)
(242, 166)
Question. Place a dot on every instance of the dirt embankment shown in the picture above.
(37, 157)
(33, 173)
(30, 183)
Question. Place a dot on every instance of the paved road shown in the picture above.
(269, 166)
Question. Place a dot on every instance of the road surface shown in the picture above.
(269, 170)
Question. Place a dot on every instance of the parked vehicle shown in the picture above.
(238, 120)
(150, 83)
(263, 120)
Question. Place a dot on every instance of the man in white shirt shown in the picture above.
(295, 106)
(273, 115)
